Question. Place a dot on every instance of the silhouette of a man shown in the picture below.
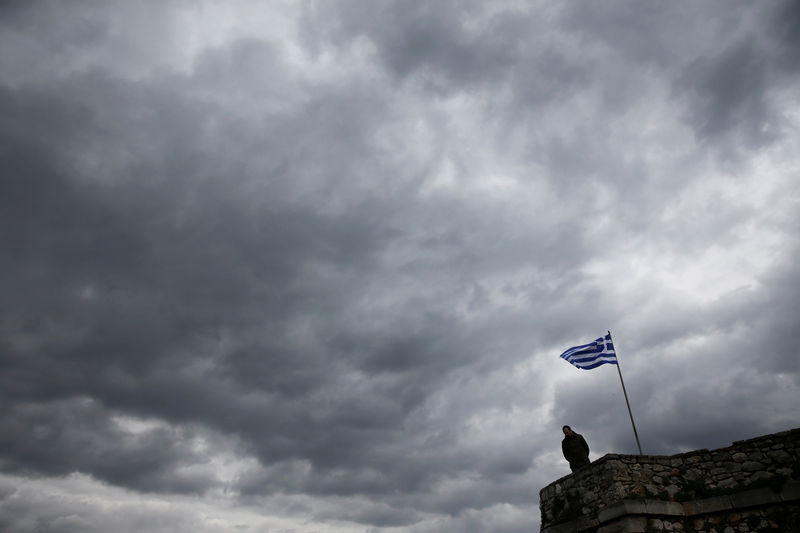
(575, 449)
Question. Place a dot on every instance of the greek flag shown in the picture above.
(592, 355)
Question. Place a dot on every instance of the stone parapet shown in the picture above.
(751, 485)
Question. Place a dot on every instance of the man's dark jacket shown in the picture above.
(576, 451)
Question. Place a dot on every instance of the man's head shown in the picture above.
(567, 430)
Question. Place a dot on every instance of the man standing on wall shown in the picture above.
(575, 449)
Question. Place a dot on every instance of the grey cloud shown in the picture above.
(656, 35)
(731, 92)
(723, 64)
(45, 41)
(129, 326)
(380, 516)
(78, 435)
(130, 337)
(784, 24)
(729, 95)
(447, 46)
(32, 505)
(419, 36)
(350, 261)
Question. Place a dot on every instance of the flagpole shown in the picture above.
(630, 413)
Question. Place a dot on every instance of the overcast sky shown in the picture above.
(309, 266)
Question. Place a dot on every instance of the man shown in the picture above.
(575, 449)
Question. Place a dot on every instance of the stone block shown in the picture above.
(692, 474)
(708, 505)
(761, 475)
(639, 490)
(753, 498)
(780, 456)
(636, 524)
(656, 507)
(653, 490)
(790, 491)
(752, 466)
(615, 464)
(625, 507)
(573, 526)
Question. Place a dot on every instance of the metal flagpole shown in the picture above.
(635, 434)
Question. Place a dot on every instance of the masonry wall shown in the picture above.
(752, 485)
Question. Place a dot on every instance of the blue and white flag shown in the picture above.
(592, 355)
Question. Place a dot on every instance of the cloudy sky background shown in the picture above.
(308, 266)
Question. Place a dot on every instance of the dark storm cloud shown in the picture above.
(729, 94)
(451, 47)
(38, 437)
(657, 35)
(421, 37)
(784, 23)
(724, 65)
(123, 288)
(131, 280)
(730, 90)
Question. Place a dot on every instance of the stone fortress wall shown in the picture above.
(750, 486)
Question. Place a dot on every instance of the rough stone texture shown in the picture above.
(752, 485)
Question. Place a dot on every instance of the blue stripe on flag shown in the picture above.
(598, 363)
